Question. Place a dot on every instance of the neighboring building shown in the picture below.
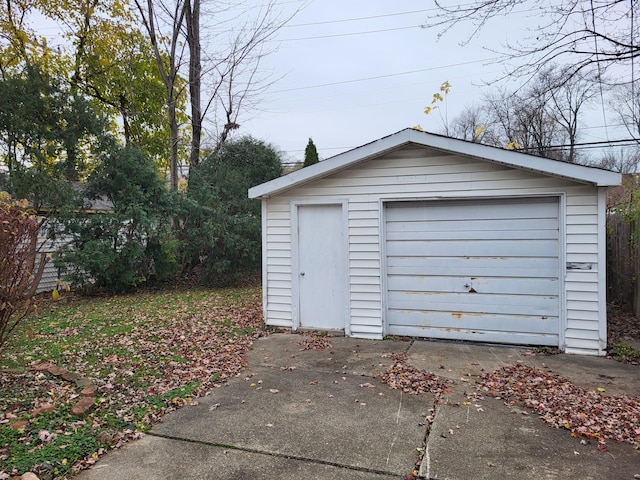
(52, 275)
(422, 235)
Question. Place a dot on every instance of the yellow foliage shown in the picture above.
(512, 146)
(438, 97)
(418, 127)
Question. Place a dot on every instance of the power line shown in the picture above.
(383, 76)
(345, 20)
(350, 34)
(584, 145)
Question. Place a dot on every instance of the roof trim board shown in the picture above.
(579, 173)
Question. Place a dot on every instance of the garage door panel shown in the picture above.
(479, 285)
(458, 302)
(475, 270)
(503, 266)
(472, 235)
(468, 271)
(475, 321)
(449, 225)
(466, 210)
(488, 336)
(476, 248)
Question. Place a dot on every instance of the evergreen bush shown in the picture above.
(221, 228)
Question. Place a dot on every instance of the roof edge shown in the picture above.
(591, 175)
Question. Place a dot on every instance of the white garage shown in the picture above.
(422, 235)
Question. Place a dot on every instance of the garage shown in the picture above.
(474, 270)
(427, 236)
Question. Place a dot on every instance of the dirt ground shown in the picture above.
(622, 327)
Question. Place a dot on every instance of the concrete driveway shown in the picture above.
(298, 413)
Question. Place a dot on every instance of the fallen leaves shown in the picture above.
(621, 325)
(412, 380)
(147, 354)
(562, 404)
(314, 342)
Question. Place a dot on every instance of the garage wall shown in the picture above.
(276, 268)
(421, 173)
(585, 303)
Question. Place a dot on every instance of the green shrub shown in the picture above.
(133, 242)
(221, 228)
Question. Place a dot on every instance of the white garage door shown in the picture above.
(474, 270)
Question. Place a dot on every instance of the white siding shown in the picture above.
(364, 268)
(49, 280)
(583, 295)
(51, 275)
(277, 264)
(421, 173)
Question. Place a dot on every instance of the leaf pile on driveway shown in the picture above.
(562, 404)
(147, 354)
(314, 342)
(411, 380)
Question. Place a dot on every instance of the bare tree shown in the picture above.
(542, 119)
(169, 53)
(626, 103)
(221, 67)
(523, 121)
(239, 84)
(568, 95)
(474, 125)
(625, 160)
(580, 33)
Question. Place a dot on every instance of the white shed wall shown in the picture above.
(422, 173)
(277, 280)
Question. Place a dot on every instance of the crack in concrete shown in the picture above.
(279, 455)
(425, 462)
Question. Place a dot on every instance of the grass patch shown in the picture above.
(625, 352)
(147, 353)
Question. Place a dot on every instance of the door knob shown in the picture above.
(302, 274)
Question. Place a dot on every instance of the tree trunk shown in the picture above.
(175, 138)
(168, 76)
(195, 78)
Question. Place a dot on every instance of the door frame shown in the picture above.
(295, 267)
(560, 197)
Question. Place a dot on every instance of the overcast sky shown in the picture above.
(355, 71)
(347, 72)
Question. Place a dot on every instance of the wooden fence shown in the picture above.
(623, 263)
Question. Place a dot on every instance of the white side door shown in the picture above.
(321, 267)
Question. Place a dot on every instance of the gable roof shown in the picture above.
(589, 175)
